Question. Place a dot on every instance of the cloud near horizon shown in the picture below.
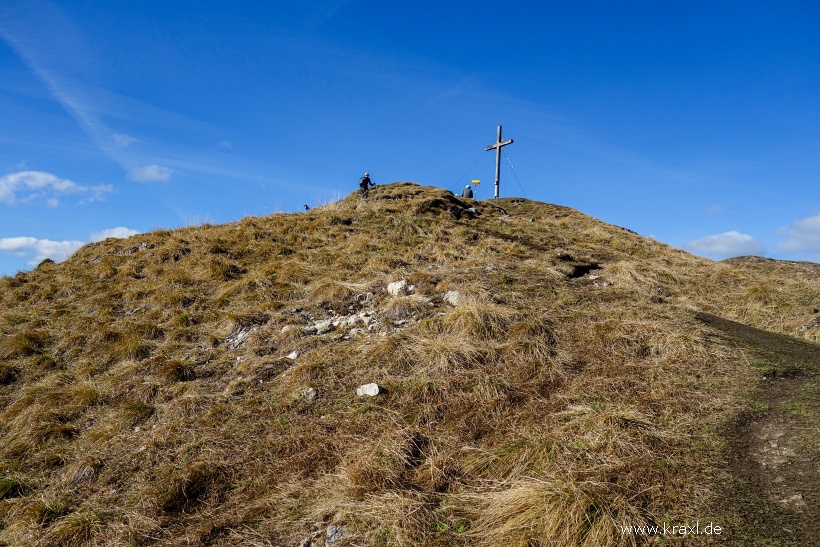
(39, 249)
(120, 232)
(725, 245)
(802, 235)
(29, 186)
(150, 173)
(36, 250)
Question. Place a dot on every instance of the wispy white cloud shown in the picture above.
(36, 250)
(123, 140)
(29, 186)
(802, 235)
(715, 209)
(725, 245)
(56, 52)
(150, 173)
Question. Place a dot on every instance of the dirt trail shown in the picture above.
(774, 452)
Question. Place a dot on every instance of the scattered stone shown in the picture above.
(813, 325)
(287, 328)
(452, 297)
(370, 390)
(351, 321)
(491, 269)
(293, 355)
(131, 250)
(796, 499)
(324, 326)
(335, 533)
(329, 325)
(308, 393)
(238, 338)
(307, 542)
(401, 287)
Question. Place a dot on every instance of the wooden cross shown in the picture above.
(498, 145)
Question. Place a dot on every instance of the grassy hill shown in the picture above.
(199, 386)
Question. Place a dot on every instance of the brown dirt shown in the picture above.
(773, 455)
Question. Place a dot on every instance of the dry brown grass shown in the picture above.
(570, 392)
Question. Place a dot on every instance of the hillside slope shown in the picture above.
(199, 386)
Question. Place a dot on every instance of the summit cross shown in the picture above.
(497, 146)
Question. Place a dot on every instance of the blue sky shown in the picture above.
(696, 123)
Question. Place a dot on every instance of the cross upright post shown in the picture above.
(497, 146)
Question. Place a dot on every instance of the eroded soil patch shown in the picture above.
(773, 453)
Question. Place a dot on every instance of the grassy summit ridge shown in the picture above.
(146, 396)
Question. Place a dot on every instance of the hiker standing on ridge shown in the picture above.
(364, 182)
(467, 193)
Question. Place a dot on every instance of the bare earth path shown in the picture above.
(774, 451)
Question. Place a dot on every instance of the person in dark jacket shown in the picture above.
(467, 192)
(364, 182)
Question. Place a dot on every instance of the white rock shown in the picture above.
(293, 355)
(370, 390)
(323, 327)
(356, 319)
(308, 393)
(400, 287)
(452, 297)
(287, 328)
(334, 534)
(237, 339)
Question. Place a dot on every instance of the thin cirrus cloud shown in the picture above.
(150, 173)
(29, 186)
(36, 250)
(60, 58)
(725, 245)
(123, 140)
(45, 55)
